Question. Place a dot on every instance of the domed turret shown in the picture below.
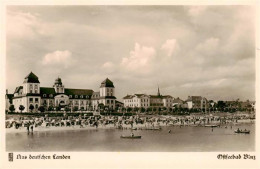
(58, 81)
(59, 88)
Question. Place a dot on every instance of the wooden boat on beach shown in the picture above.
(131, 137)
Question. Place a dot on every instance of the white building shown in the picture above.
(31, 94)
(145, 101)
(137, 100)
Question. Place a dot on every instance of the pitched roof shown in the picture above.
(9, 96)
(47, 90)
(167, 96)
(78, 91)
(178, 100)
(31, 78)
(155, 96)
(107, 83)
(17, 89)
(128, 97)
(140, 95)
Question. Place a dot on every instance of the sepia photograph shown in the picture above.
(130, 78)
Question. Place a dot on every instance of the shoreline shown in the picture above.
(125, 127)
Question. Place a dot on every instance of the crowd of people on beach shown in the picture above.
(121, 122)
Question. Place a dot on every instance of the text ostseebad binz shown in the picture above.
(234, 157)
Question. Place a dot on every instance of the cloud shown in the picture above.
(208, 47)
(138, 47)
(22, 24)
(170, 46)
(140, 59)
(109, 67)
(206, 51)
(58, 58)
(210, 83)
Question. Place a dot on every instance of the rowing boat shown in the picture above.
(131, 137)
(242, 132)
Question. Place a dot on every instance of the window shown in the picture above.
(36, 100)
(30, 91)
(70, 96)
(31, 99)
(44, 95)
(81, 96)
(107, 101)
(36, 106)
(112, 101)
(87, 97)
(51, 95)
(76, 96)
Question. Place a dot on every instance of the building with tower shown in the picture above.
(31, 95)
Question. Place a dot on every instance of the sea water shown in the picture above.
(180, 139)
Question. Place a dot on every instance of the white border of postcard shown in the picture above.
(123, 159)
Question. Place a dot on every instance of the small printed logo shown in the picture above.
(11, 157)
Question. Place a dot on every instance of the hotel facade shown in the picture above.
(31, 94)
(145, 101)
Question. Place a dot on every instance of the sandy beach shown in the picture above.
(124, 126)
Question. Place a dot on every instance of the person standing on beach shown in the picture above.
(28, 128)
(32, 128)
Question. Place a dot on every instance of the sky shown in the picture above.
(185, 50)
